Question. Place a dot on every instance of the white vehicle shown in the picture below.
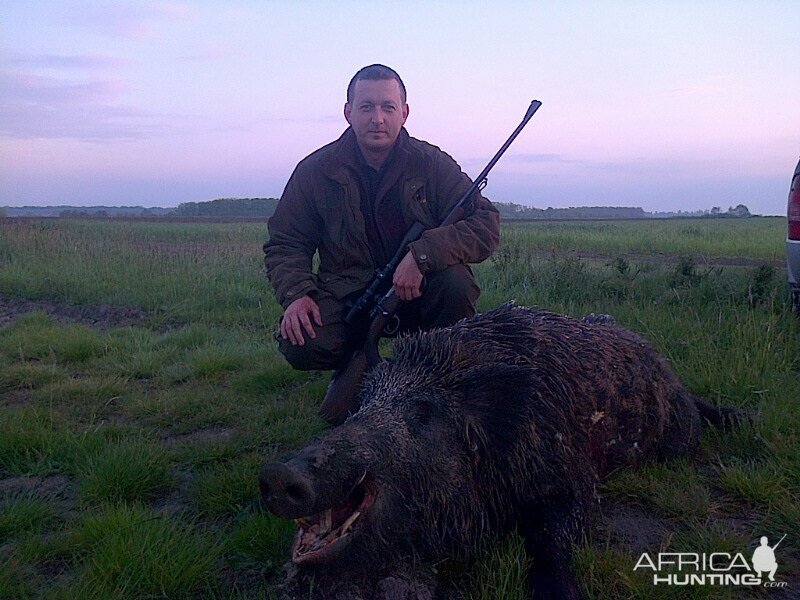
(793, 239)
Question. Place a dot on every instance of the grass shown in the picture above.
(260, 540)
(126, 470)
(24, 513)
(37, 338)
(32, 442)
(700, 238)
(227, 488)
(500, 572)
(674, 490)
(155, 432)
(128, 551)
(758, 483)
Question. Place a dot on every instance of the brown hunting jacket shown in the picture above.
(320, 210)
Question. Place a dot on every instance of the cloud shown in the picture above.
(32, 106)
(320, 120)
(538, 158)
(708, 87)
(210, 53)
(62, 61)
(32, 88)
(134, 20)
(633, 165)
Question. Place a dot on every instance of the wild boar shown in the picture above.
(505, 420)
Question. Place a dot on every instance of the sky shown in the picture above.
(666, 105)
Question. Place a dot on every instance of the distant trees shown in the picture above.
(739, 211)
(228, 207)
(265, 207)
(99, 212)
(510, 211)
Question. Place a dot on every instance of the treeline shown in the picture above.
(228, 207)
(734, 212)
(64, 210)
(509, 210)
(264, 207)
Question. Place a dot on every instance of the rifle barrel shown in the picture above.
(478, 181)
(417, 229)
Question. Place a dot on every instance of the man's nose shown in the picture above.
(378, 116)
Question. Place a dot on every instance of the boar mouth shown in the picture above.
(323, 535)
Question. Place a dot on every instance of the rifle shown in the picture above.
(340, 398)
(779, 542)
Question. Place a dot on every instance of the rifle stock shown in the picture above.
(341, 398)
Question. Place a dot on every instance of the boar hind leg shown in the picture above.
(549, 532)
(682, 433)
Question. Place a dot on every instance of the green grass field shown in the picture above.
(129, 454)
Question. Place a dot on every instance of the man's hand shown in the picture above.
(407, 279)
(296, 318)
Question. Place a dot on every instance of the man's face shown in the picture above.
(376, 113)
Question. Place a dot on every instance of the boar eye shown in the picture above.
(424, 410)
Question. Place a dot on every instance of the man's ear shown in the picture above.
(405, 113)
(347, 112)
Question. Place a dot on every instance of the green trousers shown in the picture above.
(447, 297)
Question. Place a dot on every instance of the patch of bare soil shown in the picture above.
(102, 316)
(14, 397)
(634, 528)
(203, 436)
(406, 582)
(177, 501)
(56, 487)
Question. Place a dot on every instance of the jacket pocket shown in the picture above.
(416, 204)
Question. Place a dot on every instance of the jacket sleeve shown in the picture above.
(294, 234)
(471, 240)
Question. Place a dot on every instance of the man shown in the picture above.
(352, 201)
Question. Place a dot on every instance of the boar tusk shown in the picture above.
(325, 524)
(350, 520)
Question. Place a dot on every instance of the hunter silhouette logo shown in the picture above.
(715, 568)
(764, 558)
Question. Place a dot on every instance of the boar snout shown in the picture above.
(285, 492)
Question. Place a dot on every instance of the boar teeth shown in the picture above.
(350, 520)
(362, 478)
(325, 523)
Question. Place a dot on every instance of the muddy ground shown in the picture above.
(102, 316)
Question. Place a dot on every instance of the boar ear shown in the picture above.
(475, 436)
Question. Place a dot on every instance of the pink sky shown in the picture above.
(664, 105)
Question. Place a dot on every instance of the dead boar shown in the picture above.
(505, 420)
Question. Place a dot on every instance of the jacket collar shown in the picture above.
(343, 154)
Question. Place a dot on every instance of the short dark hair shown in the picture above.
(376, 72)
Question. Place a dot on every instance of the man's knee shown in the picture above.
(326, 351)
(449, 295)
(328, 348)
(456, 283)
